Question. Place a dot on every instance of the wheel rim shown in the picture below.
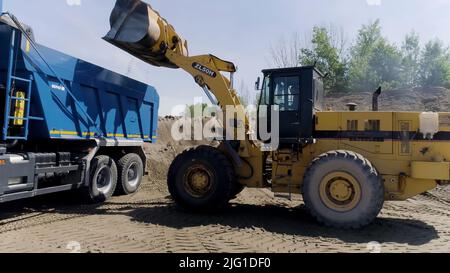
(133, 175)
(340, 191)
(198, 181)
(104, 179)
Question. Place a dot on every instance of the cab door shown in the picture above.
(286, 95)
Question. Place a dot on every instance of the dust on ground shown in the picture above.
(255, 222)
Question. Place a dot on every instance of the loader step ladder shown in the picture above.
(293, 159)
(21, 121)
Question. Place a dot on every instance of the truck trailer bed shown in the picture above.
(90, 102)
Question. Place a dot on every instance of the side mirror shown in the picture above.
(257, 84)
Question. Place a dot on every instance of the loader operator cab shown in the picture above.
(297, 93)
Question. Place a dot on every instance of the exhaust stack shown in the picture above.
(139, 30)
(375, 96)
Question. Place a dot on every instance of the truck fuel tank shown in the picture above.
(139, 30)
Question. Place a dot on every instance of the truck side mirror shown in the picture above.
(257, 84)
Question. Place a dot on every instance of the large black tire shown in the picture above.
(103, 179)
(237, 189)
(201, 179)
(131, 171)
(342, 189)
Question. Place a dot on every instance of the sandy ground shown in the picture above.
(255, 222)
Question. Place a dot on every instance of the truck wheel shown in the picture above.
(103, 179)
(131, 171)
(342, 189)
(201, 179)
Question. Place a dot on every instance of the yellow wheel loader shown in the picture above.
(344, 164)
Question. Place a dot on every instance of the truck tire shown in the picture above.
(131, 171)
(201, 179)
(342, 189)
(103, 179)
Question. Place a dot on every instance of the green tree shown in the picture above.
(435, 65)
(385, 64)
(411, 60)
(360, 76)
(374, 61)
(325, 56)
(367, 38)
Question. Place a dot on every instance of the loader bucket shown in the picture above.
(139, 30)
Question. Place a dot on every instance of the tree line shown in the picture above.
(370, 61)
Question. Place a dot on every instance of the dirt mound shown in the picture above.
(431, 99)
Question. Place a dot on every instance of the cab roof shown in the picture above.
(292, 69)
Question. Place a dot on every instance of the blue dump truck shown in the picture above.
(67, 124)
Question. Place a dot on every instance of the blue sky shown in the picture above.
(241, 31)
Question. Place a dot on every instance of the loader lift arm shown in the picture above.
(142, 32)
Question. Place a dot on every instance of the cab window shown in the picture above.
(287, 93)
(265, 94)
